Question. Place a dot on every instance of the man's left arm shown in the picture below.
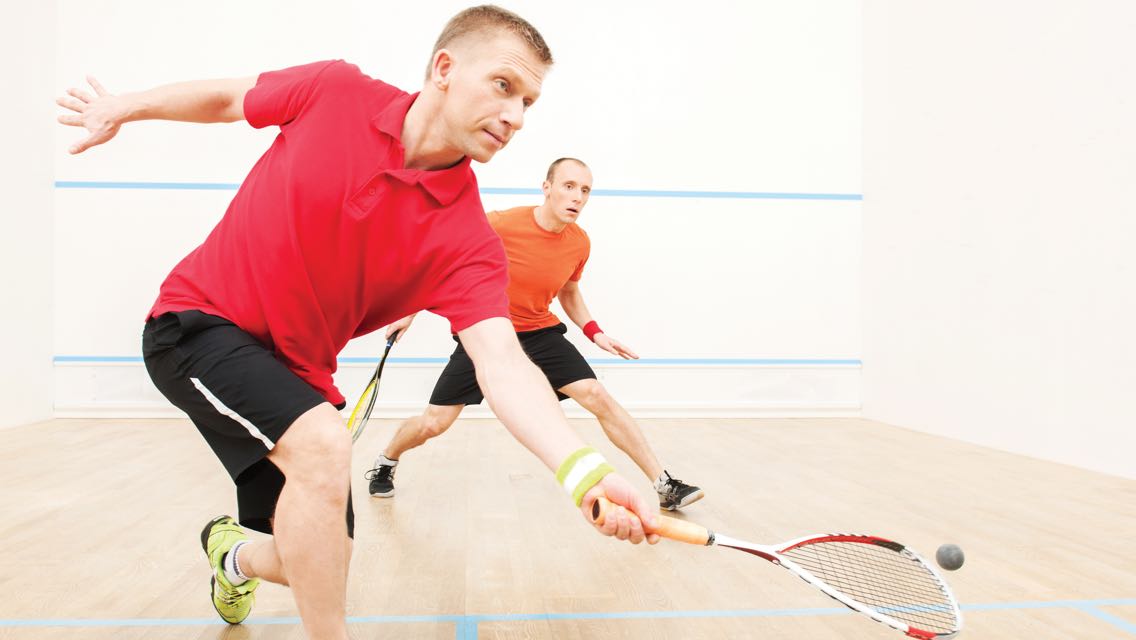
(572, 300)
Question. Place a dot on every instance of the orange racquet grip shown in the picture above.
(671, 528)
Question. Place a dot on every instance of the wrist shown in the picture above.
(133, 107)
(581, 471)
(591, 329)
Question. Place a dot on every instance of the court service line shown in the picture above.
(619, 193)
(1105, 616)
(466, 625)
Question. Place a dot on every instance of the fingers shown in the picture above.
(623, 525)
(70, 120)
(96, 86)
(72, 104)
(627, 515)
(623, 352)
(83, 145)
(81, 95)
(627, 354)
(641, 509)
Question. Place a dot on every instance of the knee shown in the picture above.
(596, 398)
(435, 425)
(316, 453)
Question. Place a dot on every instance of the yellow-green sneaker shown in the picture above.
(233, 604)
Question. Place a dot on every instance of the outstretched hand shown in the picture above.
(100, 114)
(614, 346)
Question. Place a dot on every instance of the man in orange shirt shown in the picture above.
(547, 251)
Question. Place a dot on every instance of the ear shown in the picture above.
(442, 69)
(546, 187)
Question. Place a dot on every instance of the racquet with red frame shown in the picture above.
(879, 578)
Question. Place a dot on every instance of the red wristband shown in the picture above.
(591, 329)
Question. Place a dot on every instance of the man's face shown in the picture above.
(567, 193)
(489, 85)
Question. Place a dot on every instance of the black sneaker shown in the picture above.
(675, 494)
(382, 481)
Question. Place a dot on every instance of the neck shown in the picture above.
(547, 221)
(424, 139)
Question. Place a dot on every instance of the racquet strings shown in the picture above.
(893, 582)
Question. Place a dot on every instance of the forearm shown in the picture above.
(202, 101)
(573, 304)
(521, 398)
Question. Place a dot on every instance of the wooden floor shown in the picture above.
(99, 536)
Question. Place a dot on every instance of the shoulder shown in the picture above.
(506, 217)
(345, 76)
(579, 234)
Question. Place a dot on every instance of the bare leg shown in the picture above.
(260, 559)
(619, 426)
(309, 550)
(416, 431)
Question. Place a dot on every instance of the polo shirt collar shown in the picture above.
(444, 185)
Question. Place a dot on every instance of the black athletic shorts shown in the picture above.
(560, 361)
(241, 398)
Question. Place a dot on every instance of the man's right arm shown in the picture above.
(103, 113)
(521, 398)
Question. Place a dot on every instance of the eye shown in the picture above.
(502, 85)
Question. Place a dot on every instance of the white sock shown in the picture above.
(661, 481)
(232, 567)
(384, 461)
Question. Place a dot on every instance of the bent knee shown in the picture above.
(316, 448)
(435, 423)
(593, 394)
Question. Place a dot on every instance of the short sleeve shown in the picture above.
(586, 251)
(475, 290)
(280, 96)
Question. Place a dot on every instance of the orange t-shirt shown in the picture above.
(540, 264)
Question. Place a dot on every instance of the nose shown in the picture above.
(513, 114)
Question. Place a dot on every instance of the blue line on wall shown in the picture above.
(619, 193)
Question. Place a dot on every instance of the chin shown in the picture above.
(481, 154)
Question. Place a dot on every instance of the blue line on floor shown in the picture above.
(466, 625)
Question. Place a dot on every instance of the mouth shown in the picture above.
(573, 211)
(497, 140)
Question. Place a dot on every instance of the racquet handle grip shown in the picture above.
(671, 528)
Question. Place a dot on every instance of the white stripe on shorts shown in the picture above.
(226, 411)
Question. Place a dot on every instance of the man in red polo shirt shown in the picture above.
(547, 252)
(362, 211)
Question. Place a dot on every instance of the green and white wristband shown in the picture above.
(581, 471)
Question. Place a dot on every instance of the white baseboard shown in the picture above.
(124, 390)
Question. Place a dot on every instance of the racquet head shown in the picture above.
(879, 578)
(882, 579)
(361, 414)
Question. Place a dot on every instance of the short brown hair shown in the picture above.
(557, 162)
(488, 18)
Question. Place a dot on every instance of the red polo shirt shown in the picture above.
(330, 238)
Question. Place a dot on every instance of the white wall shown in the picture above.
(26, 213)
(751, 303)
(999, 182)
